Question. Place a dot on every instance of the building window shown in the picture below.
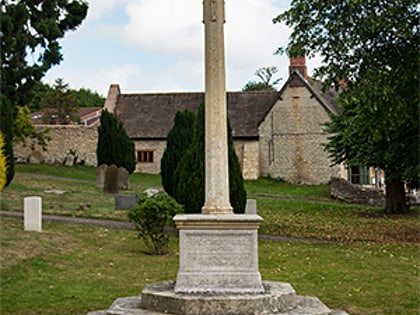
(145, 156)
(359, 175)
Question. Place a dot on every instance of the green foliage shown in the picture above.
(24, 130)
(59, 105)
(114, 145)
(177, 142)
(190, 173)
(266, 75)
(88, 98)
(6, 127)
(150, 216)
(30, 42)
(373, 45)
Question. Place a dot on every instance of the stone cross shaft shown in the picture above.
(217, 200)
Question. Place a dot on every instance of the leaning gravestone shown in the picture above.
(123, 178)
(100, 175)
(111, 180)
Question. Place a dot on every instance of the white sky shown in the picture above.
(157, 45)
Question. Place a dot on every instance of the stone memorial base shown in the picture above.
(218, 275)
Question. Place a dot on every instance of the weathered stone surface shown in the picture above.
(218, 254)
(83, 139)
(251, 206)
(69, 161)
(111, 180)
(35, 157)
(345, 191)
(125, 202)
(279, 299)
(100, 175)
(123, 178)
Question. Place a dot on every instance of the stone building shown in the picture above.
(277, 134)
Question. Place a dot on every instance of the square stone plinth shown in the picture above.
(218, 254)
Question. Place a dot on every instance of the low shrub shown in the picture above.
(150, 216)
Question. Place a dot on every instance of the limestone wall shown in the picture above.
(291, 138)
(248, 155)
(157, 147)
(82, 139)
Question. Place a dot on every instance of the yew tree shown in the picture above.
(369, 50)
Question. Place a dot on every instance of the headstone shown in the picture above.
(123, 178)
(125, 202)
(69, 160)
(251, 206)
(32, 214)
(111, 180)
(35, 158)
(100, 175)
(152, 191)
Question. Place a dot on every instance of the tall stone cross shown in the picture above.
(217, 200)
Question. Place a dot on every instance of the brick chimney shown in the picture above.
(299, 64)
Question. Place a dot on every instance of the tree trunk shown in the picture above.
(395, 197)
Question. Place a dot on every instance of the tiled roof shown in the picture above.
(151, 115)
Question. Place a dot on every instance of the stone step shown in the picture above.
(131, 306)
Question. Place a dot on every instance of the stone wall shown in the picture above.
(157, 147)
(248, 156)
(345, 191)
(81, 139)
(291, 138)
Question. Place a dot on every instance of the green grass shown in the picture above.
(71, 269)
(370, 267)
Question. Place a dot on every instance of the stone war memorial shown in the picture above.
(218, 264)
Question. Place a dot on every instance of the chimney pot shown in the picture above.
(298, 64)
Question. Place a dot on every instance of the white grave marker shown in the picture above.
(32, 214)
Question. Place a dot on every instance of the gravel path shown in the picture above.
(113, 224)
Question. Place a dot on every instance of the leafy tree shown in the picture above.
(373, 46)
(114, 145)
(30, 42)
(59, 105)
(177, 142)
(87, 98)
(24, 130)
(190, 173)
(266, 75)
(30, 31)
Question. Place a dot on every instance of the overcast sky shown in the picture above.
(157, 45)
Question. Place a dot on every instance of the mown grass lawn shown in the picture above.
(370, 265)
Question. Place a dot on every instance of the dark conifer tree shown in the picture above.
(114, 145)
(178, 141)
(190, 173)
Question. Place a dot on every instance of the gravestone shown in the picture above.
(123, 178)
(251, 206)
(32, 214)
(111, 180)
(125, 202)
(35, 158)
(69, 160)
(100, 175)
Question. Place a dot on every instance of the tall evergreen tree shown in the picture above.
(190, 173)
(114, 145)
(178, 141)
